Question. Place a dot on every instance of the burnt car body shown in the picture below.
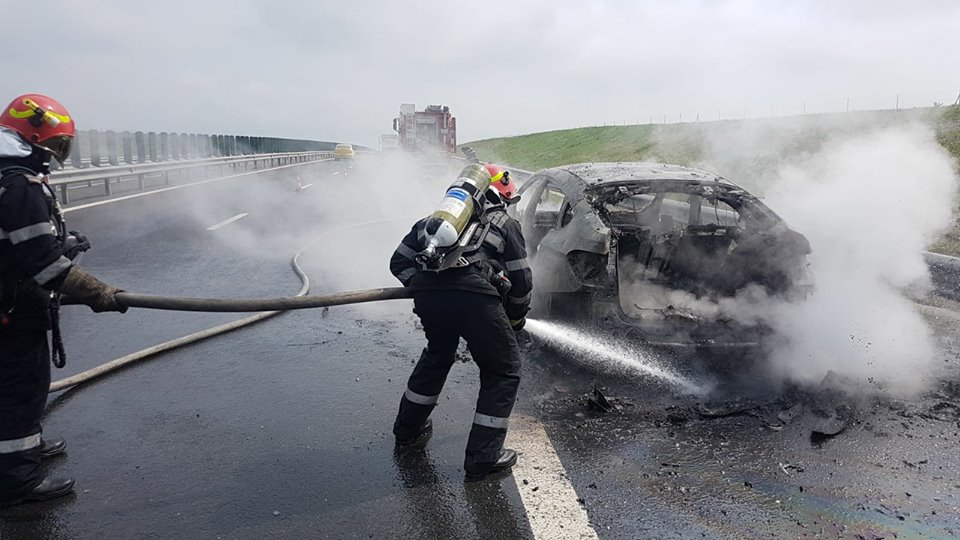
(663, 253)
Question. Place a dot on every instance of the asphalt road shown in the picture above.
(282, 429)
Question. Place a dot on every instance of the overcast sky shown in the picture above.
(339, 70)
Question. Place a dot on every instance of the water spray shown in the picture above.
(609, 353)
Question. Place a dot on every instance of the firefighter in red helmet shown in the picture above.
(484, 301)
(501, 182)
(36, 266)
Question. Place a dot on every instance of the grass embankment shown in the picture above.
(743, 150)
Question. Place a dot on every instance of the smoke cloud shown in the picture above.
(869, 206)
(870, 198)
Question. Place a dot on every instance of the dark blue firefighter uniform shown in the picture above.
(462, 302)
(31, 265)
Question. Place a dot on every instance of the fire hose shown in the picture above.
(267, 307)
(224, 305)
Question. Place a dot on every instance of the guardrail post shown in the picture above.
(177, 145)
(164, 146)
(107, 188)
(141, 147)
(152, 146)
(126, 142)
(75, 158)
(94, 138)
(112, 148)
(140, 181)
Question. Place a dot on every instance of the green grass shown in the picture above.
(685, 144)
(618, 143)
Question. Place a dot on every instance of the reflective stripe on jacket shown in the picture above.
(504, 244)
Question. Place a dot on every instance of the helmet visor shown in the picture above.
(59, 146)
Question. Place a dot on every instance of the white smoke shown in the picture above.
(870, 199)
(869, 205)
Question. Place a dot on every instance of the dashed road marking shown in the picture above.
(553, 510)
(226, 222)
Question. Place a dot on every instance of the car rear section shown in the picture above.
(673, 258)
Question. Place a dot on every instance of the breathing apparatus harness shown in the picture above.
(73, 245)
(468, 250)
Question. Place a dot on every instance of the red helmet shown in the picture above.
(500, 181)
(43, 122)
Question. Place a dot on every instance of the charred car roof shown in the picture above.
(600, 182)
(596, 174)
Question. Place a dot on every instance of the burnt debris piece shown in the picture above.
(599, 402)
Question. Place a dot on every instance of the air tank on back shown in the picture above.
(452, 215)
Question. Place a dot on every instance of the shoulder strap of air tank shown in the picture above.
(31, 176)
(498, 218)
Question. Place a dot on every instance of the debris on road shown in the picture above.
(725, 408)
(599, 402)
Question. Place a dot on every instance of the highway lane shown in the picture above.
(290, 417)
(283, 429)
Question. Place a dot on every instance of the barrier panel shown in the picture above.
(93, 148)
(94, 145)
(112, 148)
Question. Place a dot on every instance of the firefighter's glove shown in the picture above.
(518, 324)
(80, 287)
(75, 244)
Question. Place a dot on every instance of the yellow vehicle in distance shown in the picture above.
(344, 151)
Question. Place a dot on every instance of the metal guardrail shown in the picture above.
(108, 177)
(96, 148)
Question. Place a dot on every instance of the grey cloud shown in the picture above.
(339, 70)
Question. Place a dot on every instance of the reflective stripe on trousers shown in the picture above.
(419, 399)
(20, 445)
(486, 420)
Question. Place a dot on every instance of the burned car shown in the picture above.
(666, 254)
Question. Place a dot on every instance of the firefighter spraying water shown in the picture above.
(466, 265)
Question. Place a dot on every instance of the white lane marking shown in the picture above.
(192, 184)
(549, 497)
(305, 187)
(226, 222)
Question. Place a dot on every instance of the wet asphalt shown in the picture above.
(282, 429)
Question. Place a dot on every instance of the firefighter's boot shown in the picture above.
(52, 447)
(417, 438)
(477, 471)
(48, 490)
